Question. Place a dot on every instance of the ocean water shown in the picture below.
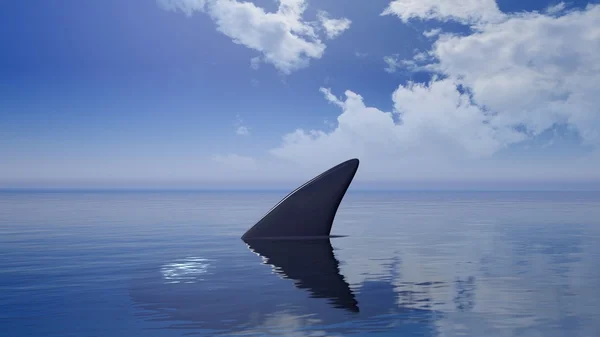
(410, 264)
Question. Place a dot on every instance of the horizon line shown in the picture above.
(280, 189)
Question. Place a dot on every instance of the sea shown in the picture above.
(407, 263)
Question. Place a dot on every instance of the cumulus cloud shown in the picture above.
(508, 82)
(514, 77)
(333, 27)
(465, 11)
(284, 38)
(505, 84)
(359, 128)
(532, 70)
(430, 120)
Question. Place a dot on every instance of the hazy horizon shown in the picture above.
(288, 187)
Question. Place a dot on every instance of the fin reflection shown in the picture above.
(312, 265)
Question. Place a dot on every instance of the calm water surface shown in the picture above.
(412, 264)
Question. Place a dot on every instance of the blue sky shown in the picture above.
(230, 93)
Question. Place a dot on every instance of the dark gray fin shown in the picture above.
(312, 265)
(309, 210)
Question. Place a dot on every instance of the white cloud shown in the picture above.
(240, 128)
(532, 69)
(242, 131)
(394, 62)
(333, 27)
(420, 57)
(440, 117)
(436, 121)
(506, 83)
(362, 132)
(284, 38)
(466, 11)
(255, 63)
(555, 9)
(509, 81)
(432, 32)
(361, 55)
(331, 97)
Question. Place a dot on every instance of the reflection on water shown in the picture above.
(312, 265)
(259, 303)
(187, 270)
(412, 264)
(465, 294)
